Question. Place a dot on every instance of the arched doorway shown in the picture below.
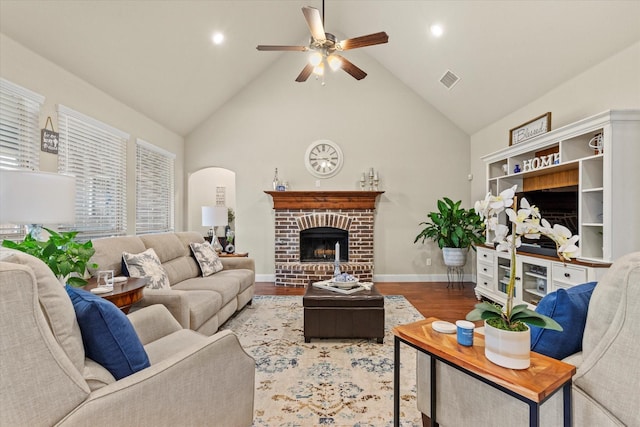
(211, 186)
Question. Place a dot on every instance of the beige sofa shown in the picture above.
(46, 379)
(199, 303)
(605, 389)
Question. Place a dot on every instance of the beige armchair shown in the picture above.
(46, 380)
(605, 389)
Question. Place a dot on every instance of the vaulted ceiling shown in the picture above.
(158, 58)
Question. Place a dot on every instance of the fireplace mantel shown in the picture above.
(324, 199)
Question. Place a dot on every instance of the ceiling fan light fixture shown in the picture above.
(319, 69)
(315, 58)
(334, 62)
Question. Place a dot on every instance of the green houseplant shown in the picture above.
(65, 256)
(526, 221)
(453, 227)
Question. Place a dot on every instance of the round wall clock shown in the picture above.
(323, 158)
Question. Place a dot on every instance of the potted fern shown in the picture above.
(65, 256)
(507, 336)
(454, 229)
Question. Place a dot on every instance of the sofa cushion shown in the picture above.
(108, 336)
(147, 264)
(96, 375)
(187, 237)
(181, 268)
(203, 305)
(207, 258)
(166, 245)
(569, 308)
(109, 251)
(245, 277)
(55, 304)
(227, 287)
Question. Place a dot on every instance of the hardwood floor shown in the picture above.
(431, 299)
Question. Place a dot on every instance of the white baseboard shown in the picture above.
(389, 278)
(418, 278)
(266, 278)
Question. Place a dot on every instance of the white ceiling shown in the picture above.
(157, 57)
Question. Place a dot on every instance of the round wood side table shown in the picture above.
(124, 294)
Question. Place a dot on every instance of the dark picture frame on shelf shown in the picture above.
(534, 127)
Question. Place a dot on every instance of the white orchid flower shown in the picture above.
(533, 209)
(545, 228)
(492, 222)
(482, 206)
(569, 249)
(560, 234)
(527, 222)
(504, 199)
(508, 244)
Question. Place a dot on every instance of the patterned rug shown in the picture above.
(336, 382)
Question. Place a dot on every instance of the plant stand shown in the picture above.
(455, 275)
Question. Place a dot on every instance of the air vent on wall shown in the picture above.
(449, 79)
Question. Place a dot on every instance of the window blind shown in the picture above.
(19, 129)
(95, 153)
(154, 189)
(19, 137)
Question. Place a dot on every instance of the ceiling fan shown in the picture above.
(324, 47)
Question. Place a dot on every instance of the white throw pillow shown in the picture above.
(147, 264)
(207, 258)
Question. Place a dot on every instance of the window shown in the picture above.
(154, 189)
(96, 154)
(19, 130)
(19, 136)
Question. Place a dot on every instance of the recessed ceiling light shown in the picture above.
(217, 38)
(437, 30)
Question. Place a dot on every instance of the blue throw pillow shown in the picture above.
(569, 308)
(108, 335)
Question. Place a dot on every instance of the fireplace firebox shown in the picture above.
(318, 244)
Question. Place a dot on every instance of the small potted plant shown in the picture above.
(506, 326)
(454, 229)
(65, 256)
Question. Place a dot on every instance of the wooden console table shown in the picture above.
(124, 294)
(533, 386)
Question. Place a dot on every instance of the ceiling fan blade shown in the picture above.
(305, 73)
(272, 47)
(348, 66)
(314, 21)
(362, 41)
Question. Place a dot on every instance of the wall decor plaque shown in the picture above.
(49, 139)
(530, 129)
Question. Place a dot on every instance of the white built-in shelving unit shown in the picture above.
(608, 183)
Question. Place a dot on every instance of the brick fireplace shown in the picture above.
(297, 211)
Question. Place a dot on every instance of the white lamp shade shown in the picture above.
(28, 197)
(213, 216)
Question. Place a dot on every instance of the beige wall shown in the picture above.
(23, 67)
(612, 84)
(378, 122)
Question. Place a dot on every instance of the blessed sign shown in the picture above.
(533, 128)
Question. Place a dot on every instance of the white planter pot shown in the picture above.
(507, 348)
(454, 257)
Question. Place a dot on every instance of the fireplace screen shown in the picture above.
(318, 244)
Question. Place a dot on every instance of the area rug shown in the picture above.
(339, 382)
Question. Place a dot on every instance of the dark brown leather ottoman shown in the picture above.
(329, 314)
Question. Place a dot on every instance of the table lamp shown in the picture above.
(36, 198)
(215, 216)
